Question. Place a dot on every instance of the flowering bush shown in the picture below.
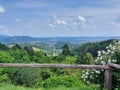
(110, 55)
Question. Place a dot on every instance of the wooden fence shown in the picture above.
(108, 69)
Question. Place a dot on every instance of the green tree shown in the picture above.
(5, 57)
(40, 57)
(59, 58)
(3, 47)
(91, 47)
(85, 59)
(16, 47)
(20, 56)
(65, 50)
(29, 50)
(89, 58)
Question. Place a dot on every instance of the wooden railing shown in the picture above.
(108, 69)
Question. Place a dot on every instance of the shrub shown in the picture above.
(110, 55)
(26, 76)
(67, 81)
(3, 77)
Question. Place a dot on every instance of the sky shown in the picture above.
(60, 18)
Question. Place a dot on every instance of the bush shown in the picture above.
(27, 76)
(5, 57)
(3, 77)
(67, 81)
(110, 55)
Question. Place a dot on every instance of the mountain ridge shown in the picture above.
(29, 39)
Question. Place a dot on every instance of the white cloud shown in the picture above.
(52, 25)
(81, 18)
(61, 22)
(58, 23)
(70, 23)
(18, 20)
(2, 10)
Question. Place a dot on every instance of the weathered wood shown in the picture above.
(53, 66)
(114, 65)
(108, 69)
(108, 78)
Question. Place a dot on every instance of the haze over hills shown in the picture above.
(28, 39)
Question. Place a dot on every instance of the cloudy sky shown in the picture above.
(51, 18)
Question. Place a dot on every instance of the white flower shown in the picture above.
(103, 52)
(96, 75)
(118, 42)
(83, 71)
(107, 47)
(109, 60)
(88, 82)
(87, 73)
(96, 61)
(114, 60)
(92, 72)
(103, 62)
(91, 76)
(113, 48)
(84, 79)
(82, 76)
(110, 45)
(98, 85)
(97, 71)
(99, 52)
(107, 53)
(101, 58)
(112, 52)
(86, 76)
(98, 58)
(108, 50)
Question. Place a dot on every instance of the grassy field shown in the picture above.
(13, 87)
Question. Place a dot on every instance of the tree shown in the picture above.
(40, 57)
(89, 58)
(65, 50)
(20, 56)
(85, 59)
(29, 50)
(5, 57)
(16, 47)
(3, 47)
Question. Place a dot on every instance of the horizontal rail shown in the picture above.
(54, 66)
(114, 65)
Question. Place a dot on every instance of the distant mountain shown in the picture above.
(3, 37)
(27, 39)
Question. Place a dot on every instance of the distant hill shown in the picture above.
(27, 39)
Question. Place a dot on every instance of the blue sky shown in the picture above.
(68, 18)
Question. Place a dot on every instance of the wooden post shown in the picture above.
(108, 78)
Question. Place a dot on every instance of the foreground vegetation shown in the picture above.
(98, 53)
(13, 87)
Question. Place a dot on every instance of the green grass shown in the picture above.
(13, 87)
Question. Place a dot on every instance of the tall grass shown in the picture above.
(13, 87)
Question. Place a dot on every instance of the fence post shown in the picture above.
(108, 78)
